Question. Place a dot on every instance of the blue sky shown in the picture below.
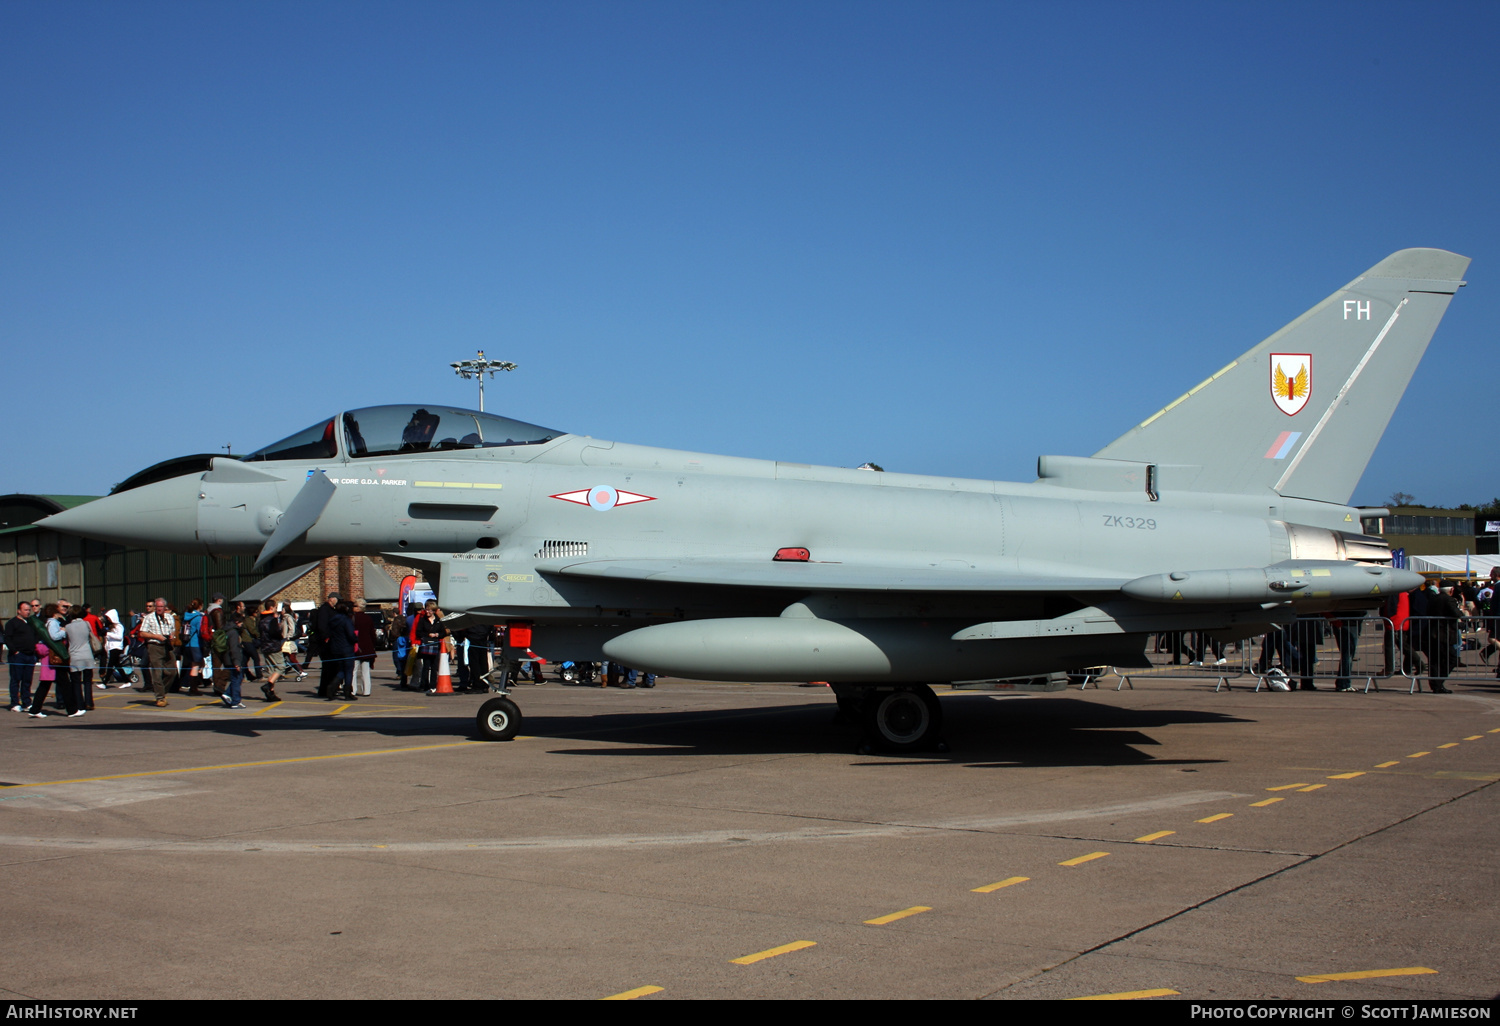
(946, 237)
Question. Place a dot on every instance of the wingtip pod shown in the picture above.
(1300, 414)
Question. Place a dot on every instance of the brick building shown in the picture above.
(370, 578)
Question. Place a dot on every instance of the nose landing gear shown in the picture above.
(499, 719)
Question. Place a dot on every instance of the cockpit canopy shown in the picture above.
(402, 430)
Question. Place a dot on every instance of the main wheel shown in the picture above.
(499, 719)
(904, 720)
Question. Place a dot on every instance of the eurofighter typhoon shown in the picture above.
(1225, 511)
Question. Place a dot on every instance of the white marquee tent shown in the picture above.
(1480, 566)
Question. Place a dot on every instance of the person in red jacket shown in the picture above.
(1398, 610)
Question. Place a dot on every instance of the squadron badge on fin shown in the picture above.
(1291, 381)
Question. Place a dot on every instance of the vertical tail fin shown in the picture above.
(1301, 413)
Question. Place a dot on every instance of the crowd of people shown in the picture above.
(163, 651)
(1430, 627)
(220, 646)
(1432, 623)
(215, 649)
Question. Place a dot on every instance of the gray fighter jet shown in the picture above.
(1226, 511)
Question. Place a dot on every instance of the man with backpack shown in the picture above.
(193, 645)
(229, 657)
(250, 644)
(268, 629)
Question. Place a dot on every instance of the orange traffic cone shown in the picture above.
(445, 678)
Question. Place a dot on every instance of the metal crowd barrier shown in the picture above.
(1344, 650)
(1354, 652)
(1186, 655)
(1465, 650)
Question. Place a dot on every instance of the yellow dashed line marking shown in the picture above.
(1080, 860)
(1155, 837)
(247, 765)
(1287, 787)
(1215, 819)
(1387, 765)
(1128, 995)
(1450, 744)
(1009, 881)
(1312, 787)
(1418, 755)
(1368, 974)
(769, 952)
(1268, 801)
(1347, 776)
(631, 995)
(913, 911)
(1476, 737)
(1493, 730)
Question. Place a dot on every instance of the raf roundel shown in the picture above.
(603, 497)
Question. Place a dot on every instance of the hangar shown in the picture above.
(37, 562)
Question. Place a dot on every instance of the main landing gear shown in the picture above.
(896, 718)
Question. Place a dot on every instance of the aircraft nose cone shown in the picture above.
(162, 515)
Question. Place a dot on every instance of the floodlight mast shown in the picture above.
(478, 368)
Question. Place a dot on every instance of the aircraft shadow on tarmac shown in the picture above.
(981, 732)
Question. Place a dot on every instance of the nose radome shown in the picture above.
(162, 515)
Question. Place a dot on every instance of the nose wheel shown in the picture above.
(499, 719)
